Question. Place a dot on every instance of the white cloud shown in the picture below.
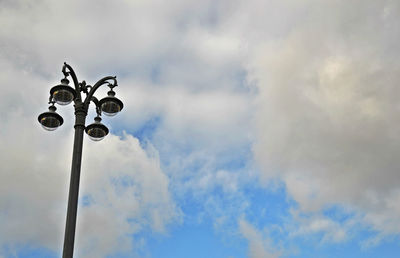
(126, 192)
(330, 230)
(259, 245)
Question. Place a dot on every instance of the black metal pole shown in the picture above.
(69, 238)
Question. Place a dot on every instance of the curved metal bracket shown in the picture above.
(98, 84)
(96, 102)
(74, 79)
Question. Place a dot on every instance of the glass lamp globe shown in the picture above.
(96, 131)
(63, 94)
(50, 120)
(110, 105)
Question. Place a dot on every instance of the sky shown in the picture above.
(257, 128)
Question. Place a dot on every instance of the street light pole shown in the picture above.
(70, 225)
(63, 94)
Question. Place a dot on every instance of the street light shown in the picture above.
(63, 94)
(50, 120)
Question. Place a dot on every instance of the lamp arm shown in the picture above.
(97, 85)
(74, 79)
(96, 102)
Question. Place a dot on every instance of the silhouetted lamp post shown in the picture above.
(64, 94)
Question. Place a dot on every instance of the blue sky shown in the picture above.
(250, 128)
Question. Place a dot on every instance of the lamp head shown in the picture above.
(50, 120)
(110, 105)
(96, 131)
(63, 94)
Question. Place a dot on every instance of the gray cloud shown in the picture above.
(328, 114)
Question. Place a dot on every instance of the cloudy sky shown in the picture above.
(258, 128)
